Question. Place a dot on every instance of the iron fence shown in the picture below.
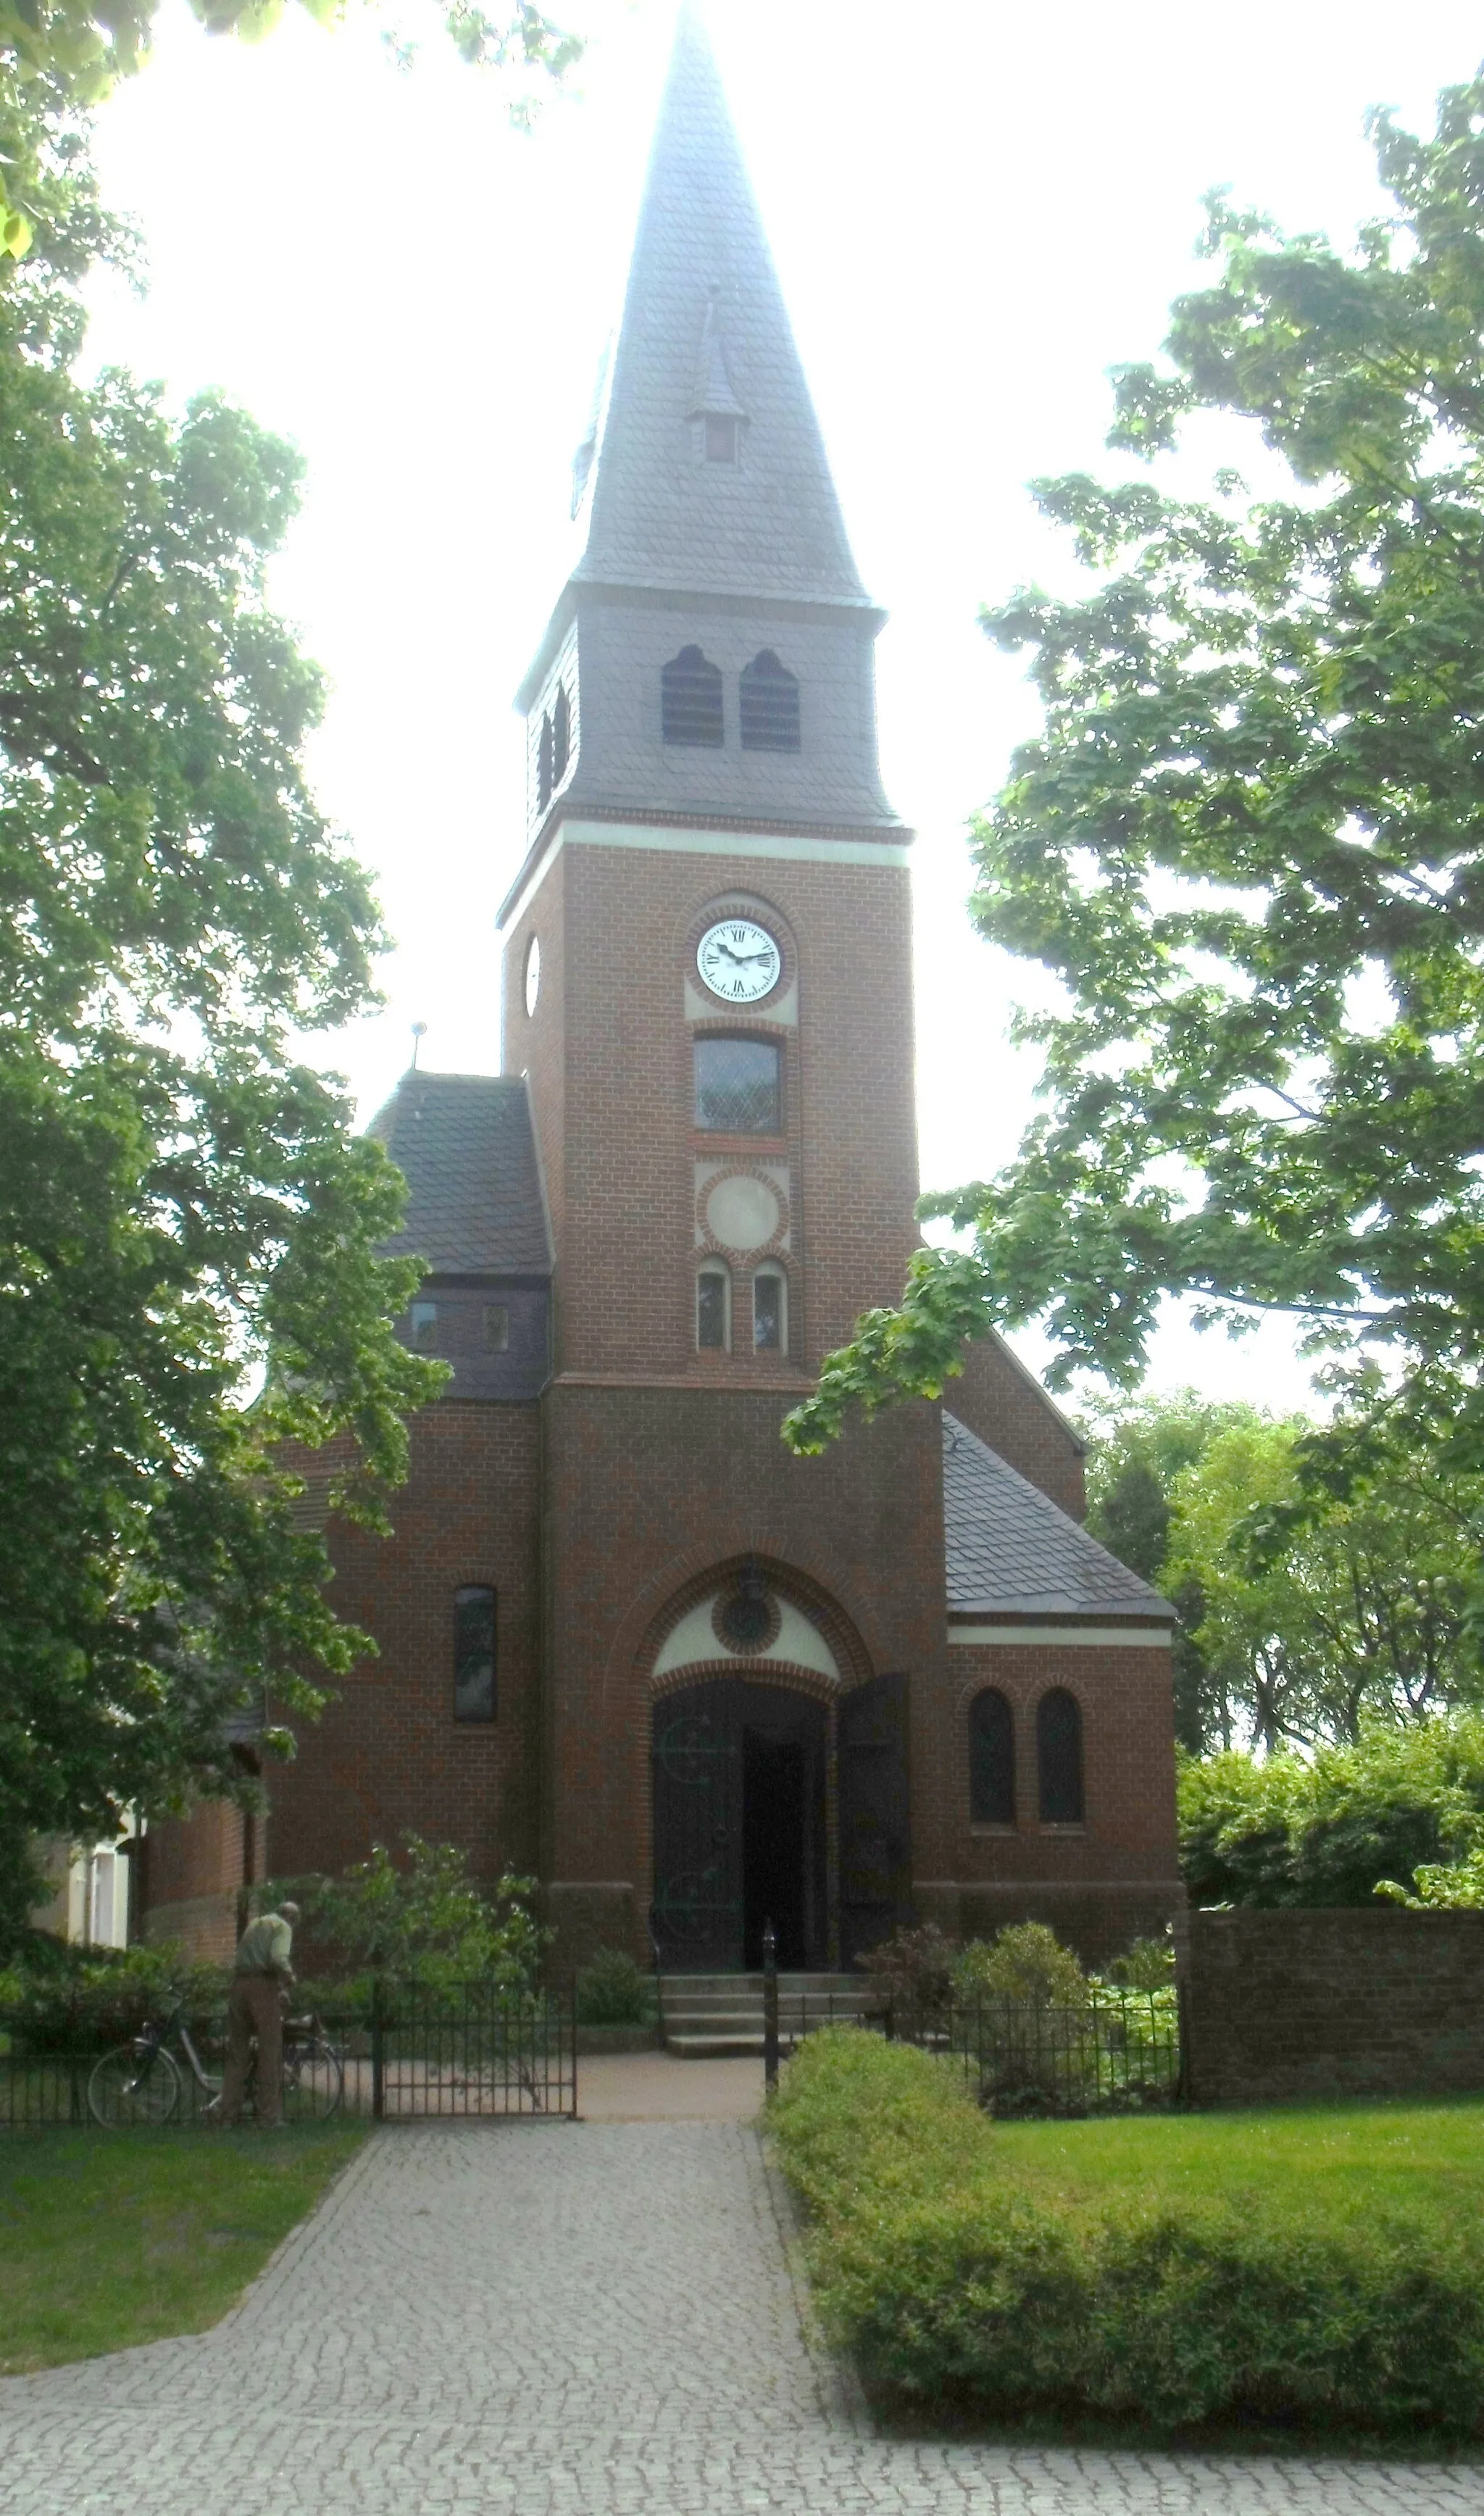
(402, 2052)
(1118, 2052)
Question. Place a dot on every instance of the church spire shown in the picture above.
(708, 475)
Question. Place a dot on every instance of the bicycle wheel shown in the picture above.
(313, 2081)
(135, 2083)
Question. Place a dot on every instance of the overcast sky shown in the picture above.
(975, 209)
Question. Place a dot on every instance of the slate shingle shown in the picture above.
(1009, 1550)
(703, 288)
(464, 1144)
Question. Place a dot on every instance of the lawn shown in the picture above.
(110, 2238)
(1402, 2163)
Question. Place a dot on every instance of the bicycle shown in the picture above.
(140, 2082)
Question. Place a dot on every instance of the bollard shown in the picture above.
(770, 2007)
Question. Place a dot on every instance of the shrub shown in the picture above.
(1024, 1963)
(423, 1917)
(612, 1991)
(944, 2280)
(1146, 1965)
(80, 2000)
(914, 1970)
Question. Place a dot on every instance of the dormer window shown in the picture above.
(720, 438)
(770, 705)
(689, 700)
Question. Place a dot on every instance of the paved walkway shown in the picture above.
(595, 2319)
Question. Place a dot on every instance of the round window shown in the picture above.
(532, 972)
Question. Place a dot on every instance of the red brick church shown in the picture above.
(627, 1643)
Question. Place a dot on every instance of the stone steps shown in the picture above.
(707, 2017)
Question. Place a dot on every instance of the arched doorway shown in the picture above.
(740, 1773)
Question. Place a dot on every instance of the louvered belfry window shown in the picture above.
(770, 705)
(689, 700)
(544, 766)
(561, 734)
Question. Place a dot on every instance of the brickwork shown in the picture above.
(1293, 2007)
(195, 1869)
(388, 1755)
(613, 1097)
(647, 1489)
(1099, 1884)
(1000, 1401)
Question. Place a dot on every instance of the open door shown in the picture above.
(875, 1816)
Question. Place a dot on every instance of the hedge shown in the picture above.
(945, 2282)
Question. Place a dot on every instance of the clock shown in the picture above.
(532, 974)
(739, 962)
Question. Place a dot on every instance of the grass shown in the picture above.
(110, 2238)
(1401, 2163)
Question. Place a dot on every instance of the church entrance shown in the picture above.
(739, 1778)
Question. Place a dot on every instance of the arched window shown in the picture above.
(690, 699)
(770, 1310)
(992, 1759)
(561, 736)
(770, 705)
(1059, 1757)
(544, 766)
(474, 1653)
(738, 1086)
(714, 1308)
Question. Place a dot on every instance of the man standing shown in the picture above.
(261, 1975)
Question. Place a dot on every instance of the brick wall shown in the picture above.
(195, 1869)
(647, 1489)
(1287, 2007)
(388, 1756)
(998, 1398)
(1113, 1878)
(612, 1096)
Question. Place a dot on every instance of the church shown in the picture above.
(628, 1644)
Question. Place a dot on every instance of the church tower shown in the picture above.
(627, 1643)
(707, 987)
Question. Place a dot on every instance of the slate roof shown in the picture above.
(464, 1144)
(1010, 1551)
(703, 309)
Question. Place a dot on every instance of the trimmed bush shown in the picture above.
(944, 2280)
(77, 2001)
(612, 1991)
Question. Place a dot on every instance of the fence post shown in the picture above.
(574, 2024)
(378, 2053)
(770, 2007)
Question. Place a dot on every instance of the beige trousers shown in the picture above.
(254, 2016)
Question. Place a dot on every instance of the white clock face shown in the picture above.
(739, 962)
(532, 972)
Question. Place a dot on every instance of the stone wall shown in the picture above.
(1290, 2007)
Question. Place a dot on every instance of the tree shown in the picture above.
(1318, 1615)
(188, 1229)
(1248, 841)
(70, 53)
(1328, 1829)
(1134, 1457)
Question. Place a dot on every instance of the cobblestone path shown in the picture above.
(592, 2319)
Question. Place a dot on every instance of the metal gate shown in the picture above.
(463, 2050)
